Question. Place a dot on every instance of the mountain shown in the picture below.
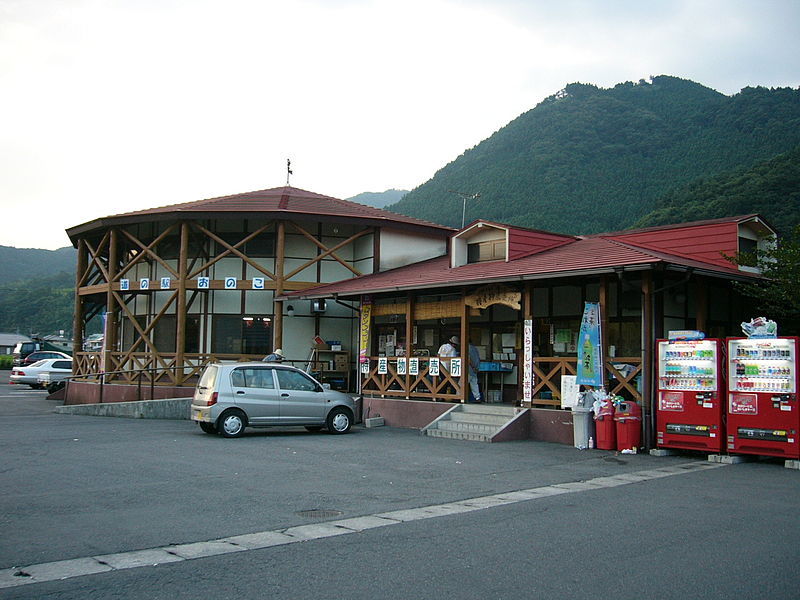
(17, 264)
(771, 188)
(589, 159)
(379, 199)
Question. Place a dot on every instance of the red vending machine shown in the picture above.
(763, 416)
(691, 394)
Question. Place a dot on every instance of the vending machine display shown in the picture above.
(763, 415)
(691, 395)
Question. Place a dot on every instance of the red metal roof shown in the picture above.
(583, 256)
(276, 200)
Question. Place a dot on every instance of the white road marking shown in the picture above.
(150, 557)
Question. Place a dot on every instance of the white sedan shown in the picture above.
(57, 367)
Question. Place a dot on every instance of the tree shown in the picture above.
(778, 291)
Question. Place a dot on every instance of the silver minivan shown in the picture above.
(232, 396)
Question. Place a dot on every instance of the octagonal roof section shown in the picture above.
(281, 201)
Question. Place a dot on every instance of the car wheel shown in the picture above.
(339, 420)
(313, 427)
(232, 424)
(207, 427)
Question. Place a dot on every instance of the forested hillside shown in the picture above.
(589, 159)
(41, 306)
(26, 263)
(771, 188)
(379, 199)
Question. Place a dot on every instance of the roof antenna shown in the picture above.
(464, 197)
(288, 170)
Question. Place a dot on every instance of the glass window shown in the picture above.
(253, 377)
(294, 380)
(567, 300)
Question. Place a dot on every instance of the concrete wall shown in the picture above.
(413, 414)
(542, 425)
(173, 408)
(79, 392)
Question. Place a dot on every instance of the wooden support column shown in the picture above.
(604, 319)
(180, 330)
(648, 343)
(409, 341)
(78, 328)
(464, 352)
(110, 330)
(277, 305)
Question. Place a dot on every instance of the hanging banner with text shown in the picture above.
(364, 325)
(527, 361)
(590, 358)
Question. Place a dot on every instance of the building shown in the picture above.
(495, 278)
(9, 340)
(181, 285)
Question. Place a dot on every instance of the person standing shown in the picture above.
(474, 364)
(276, 356)
(449, 350)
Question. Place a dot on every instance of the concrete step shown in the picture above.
(487, 419)
(488, 409)
(458, 435)
(474, 422)
(457, 426)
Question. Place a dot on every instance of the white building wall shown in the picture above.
(400, 248)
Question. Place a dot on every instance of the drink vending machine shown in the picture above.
(763, 415)
(691, 394)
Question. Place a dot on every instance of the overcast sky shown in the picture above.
(111, 106)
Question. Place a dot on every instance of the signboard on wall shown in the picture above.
(494, 294)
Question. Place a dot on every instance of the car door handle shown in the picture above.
(284, 395)
(240, 392)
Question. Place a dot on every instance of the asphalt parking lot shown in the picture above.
(75, 486)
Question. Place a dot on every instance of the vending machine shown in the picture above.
(691, 394)
(763, 415)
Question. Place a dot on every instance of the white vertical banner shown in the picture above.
(401, 366)
(383, 365)
(527, 361)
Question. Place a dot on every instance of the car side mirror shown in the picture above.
(326, 386)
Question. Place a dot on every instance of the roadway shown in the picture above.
(96, 507)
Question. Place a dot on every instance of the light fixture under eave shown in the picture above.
(290, 310)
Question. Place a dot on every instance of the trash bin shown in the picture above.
(606, 426)
(582, 423)
(628, 417)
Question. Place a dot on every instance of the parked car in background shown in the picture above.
(53, 381)
(231, 397)
(29, 375)
(24, 349)
(42, 355)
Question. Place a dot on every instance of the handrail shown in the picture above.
(102, 375)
